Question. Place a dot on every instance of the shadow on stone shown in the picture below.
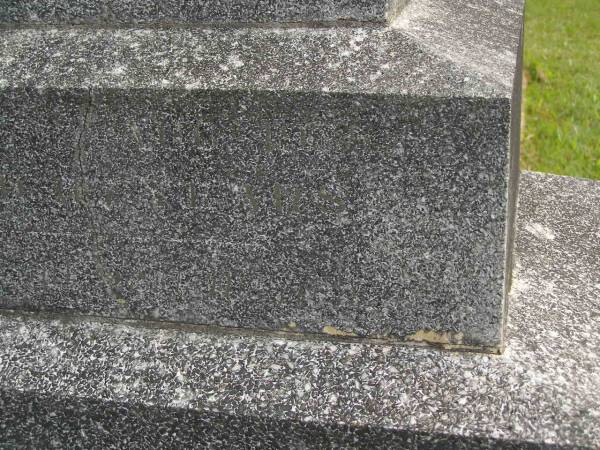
(48, 421)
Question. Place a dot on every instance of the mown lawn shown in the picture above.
(562, 100)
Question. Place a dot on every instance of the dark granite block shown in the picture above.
(68, 382)
(115, 12)
(49, 271)
(40, 161)
(341, 181)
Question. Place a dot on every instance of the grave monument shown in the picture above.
(238, 224)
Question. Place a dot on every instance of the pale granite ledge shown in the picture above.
(420, 55)
(96, 384)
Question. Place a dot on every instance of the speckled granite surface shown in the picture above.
(71, 383)
(100, 12)
(335, 180)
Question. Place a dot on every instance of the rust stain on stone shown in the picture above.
(434, 337)
(332, 331)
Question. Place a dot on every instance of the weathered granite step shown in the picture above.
(79, 384)
(355, 181)
(100, 12)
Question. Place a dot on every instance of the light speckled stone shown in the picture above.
(117, 12)
(336, 180)
(74, 383)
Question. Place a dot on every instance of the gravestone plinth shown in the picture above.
(340, 180)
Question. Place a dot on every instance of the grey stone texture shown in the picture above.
(168, 12)
(339, 180)
(75, 383)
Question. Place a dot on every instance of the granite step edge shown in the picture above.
(350, 60)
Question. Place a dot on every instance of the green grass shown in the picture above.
(562, 98)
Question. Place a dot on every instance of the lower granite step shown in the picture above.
(67, 382)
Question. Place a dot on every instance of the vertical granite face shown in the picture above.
(338, 181)
(99, 12)
(162, 209)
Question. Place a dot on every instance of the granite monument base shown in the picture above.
(356, 181)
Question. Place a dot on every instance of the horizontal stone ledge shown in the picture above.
(85, 384)
(348, 60)
(100, 12)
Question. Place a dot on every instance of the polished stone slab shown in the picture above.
(191, 12)
(338, 181)
(79, 383)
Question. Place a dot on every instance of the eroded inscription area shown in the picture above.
(211, 208)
